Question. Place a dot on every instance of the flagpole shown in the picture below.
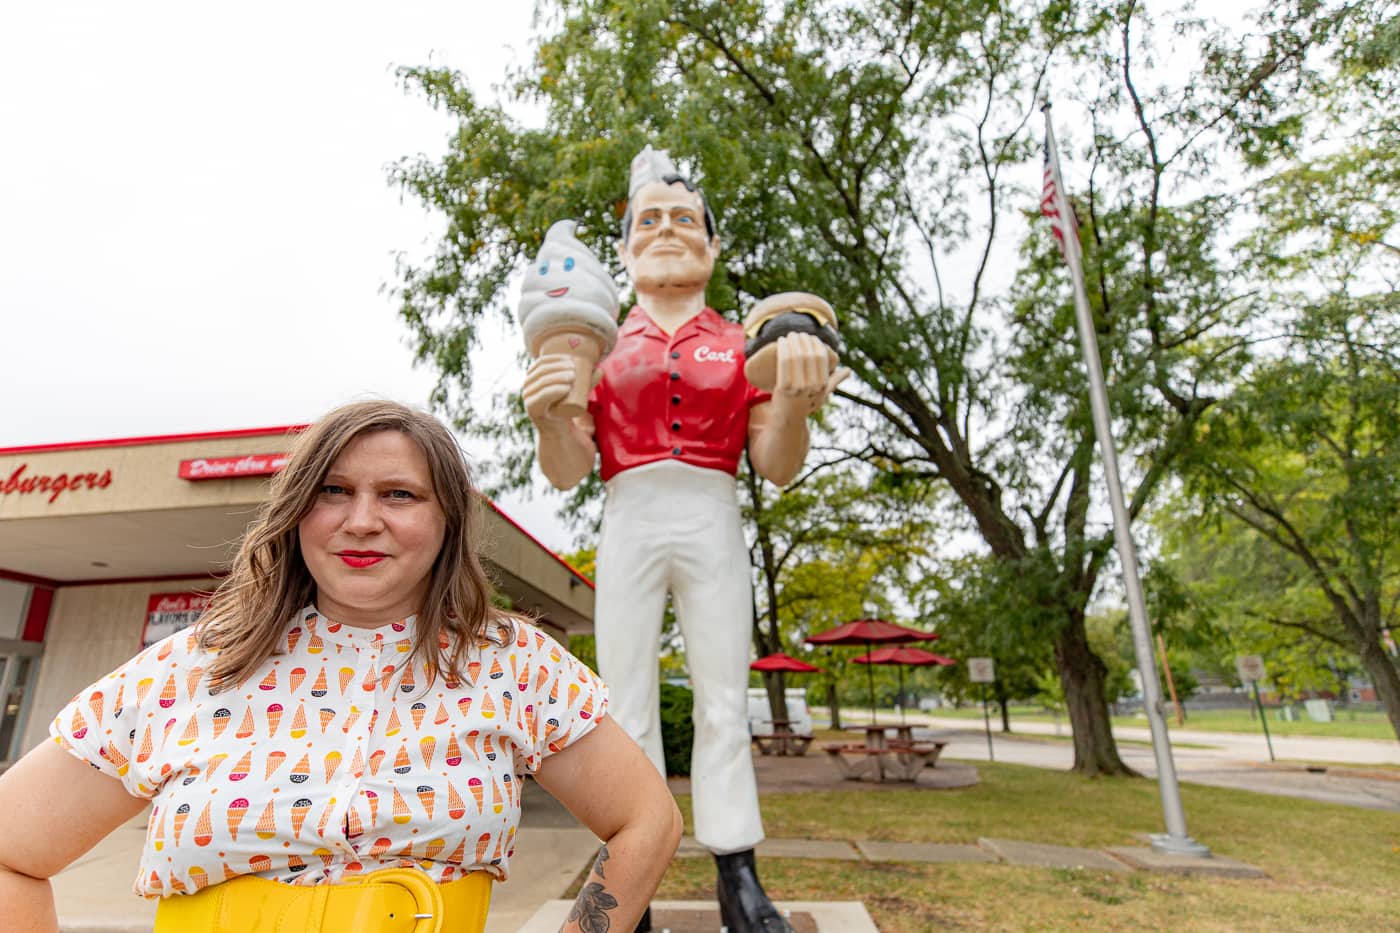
(1176, 841)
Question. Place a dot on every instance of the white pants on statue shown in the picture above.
(672, 527)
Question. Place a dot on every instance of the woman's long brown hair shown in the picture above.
(247, 618)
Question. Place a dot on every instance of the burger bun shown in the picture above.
(778, 316)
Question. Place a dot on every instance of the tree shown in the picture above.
(1306, 451)
(830, 547)
(866, 152)
(1305, 456)
(981, 610)
(1237, 587)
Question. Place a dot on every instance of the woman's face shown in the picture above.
(376, 528)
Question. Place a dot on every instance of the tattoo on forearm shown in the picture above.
(593, 902)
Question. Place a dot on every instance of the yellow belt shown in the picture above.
(392, 900)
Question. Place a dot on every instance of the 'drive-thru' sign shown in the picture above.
(232, 467)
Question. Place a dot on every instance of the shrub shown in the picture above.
(677, 728)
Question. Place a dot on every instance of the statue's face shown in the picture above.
(667, 247)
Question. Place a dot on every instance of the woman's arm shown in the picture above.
(607, 782)
(53, 808)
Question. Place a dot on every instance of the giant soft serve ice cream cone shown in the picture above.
(568, 306)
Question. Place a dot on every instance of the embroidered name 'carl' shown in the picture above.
(704, 354)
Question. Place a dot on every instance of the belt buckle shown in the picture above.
(427, 898)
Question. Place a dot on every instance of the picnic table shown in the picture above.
(877, 736)
(782, 740)
(900, 758)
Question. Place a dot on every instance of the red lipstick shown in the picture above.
(359, 559)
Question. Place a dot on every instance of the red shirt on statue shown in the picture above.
(681, 396)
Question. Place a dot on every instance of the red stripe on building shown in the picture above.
(153, 439)
(36, 620)
(538, 543)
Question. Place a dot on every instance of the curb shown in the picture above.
(1342, 770)
(993, 851)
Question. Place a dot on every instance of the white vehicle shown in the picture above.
(761, 717)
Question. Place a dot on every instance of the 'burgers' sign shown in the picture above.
(23, 483)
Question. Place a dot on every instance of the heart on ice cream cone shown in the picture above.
(586, 350)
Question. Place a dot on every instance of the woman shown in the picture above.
(339, 743)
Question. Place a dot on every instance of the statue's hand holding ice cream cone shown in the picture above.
(568, 311)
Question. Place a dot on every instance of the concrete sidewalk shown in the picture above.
(852, 917)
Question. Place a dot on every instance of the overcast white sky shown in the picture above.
(195, 227)
(196, 231)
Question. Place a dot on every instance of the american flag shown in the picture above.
(1053, 203)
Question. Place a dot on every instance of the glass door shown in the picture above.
(19, 671)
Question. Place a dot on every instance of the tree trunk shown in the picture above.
(1343, 691)
(1363, 622)
(1082, 675)
(999, 688)
(1385, 678)
(833, 703)
(777, 695)
(769, 641)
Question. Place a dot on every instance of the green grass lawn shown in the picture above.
(1348, 725)
(1329, 866)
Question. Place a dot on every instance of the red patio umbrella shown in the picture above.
(913, 657)
(784, 663)
(778, 661)
(869, 632)
(904, 657)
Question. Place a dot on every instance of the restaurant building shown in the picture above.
(106, 546)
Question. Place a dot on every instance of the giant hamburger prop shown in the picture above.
(780, 315)
(568, 305)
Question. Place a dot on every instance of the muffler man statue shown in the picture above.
(668, 420)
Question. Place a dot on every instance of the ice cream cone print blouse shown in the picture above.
(336, 758)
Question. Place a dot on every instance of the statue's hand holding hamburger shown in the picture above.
(793, 350)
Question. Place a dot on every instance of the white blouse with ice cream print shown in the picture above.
(335, 758)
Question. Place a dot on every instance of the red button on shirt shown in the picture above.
(681, 396)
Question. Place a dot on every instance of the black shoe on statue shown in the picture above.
(743, 905)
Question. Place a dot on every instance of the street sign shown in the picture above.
(980, 671)
(1251, 671)
(1250, 667)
